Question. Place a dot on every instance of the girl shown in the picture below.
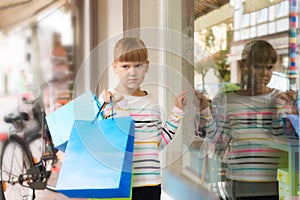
(131, 65)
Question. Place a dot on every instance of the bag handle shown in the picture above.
(100, 108)
(111, 105)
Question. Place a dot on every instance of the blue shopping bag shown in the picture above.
(60, 122)
(98, 159)
(295, 121)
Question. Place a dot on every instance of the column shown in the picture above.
(292, 70)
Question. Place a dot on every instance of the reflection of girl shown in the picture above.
(251, 119)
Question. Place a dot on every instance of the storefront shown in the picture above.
(168, 29)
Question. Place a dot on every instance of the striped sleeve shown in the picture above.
(167, 132)
(217, 134)
(283, 110)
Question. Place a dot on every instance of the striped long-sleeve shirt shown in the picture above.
(250, 123)
(151, 135)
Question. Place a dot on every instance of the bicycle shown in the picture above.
(27, 155)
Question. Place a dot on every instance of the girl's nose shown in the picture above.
(132, 71)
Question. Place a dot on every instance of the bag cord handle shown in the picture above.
(101, 110)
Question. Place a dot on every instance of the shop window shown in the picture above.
(253, 17)
(263, 15)
(271, 13)
(282, 9)
(271, 27)
(262, 30)
(246, 20)
(282, 25)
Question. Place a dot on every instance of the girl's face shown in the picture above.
(131, 74)
(260, 74)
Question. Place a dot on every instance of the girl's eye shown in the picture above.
(270, 67)
(261, 67)
(139, 66)
(125, 66)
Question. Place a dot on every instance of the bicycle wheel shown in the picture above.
(35, 145)
(15, 160)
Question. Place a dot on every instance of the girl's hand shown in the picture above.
(290, 97)
(107, 95)
(180, 100)
(202, 101)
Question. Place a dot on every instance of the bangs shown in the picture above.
(263, 55)
(130, 50)
(262, 52)
(137, 55)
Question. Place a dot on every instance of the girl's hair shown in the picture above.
(130, 49)
(259, 51)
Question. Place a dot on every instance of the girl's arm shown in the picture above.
(215, 122)
(167, 132)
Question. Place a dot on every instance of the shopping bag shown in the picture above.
(98, 159)
(60, 122)
(126, 198)
(295, 121)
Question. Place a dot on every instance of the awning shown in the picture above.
(255, 5)
(203, 7)
(18, 13)
(214, 17)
